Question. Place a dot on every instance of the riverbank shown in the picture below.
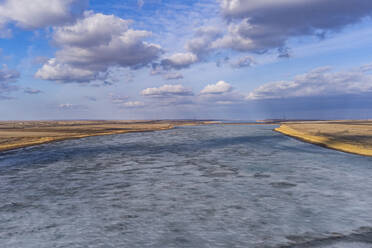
(20, 134)
(346, 136)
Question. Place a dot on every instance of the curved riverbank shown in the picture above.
(15, 135)
(44, 140)
(327, 140)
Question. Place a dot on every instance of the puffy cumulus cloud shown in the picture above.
(134, 104)
(7, 78)
(95, 43)
(220, 87)
(221, 93)
(63, 72)
(93, 30)
(227, 98)
(40, 13)
(167, 90)
(197, 49)
(318, 82)
(179, 61)
(243, 36)
(258, 25)
(202, 41)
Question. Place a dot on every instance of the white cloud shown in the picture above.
(167, 90)
(134, 104)
(238, 38)
(53, 70)
(40, 13)
(94, 44)
(220, 93)
(318, 82)
(92, 30)
(202, 41)
(179, 60)
(220, 87)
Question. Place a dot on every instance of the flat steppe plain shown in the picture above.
(18, 134)
(352, 136)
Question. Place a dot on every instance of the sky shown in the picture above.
(174, 59)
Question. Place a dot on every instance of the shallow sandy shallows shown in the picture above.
(347, 136)
(18, 134)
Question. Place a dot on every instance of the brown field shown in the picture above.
(347, 136)
(18, 134)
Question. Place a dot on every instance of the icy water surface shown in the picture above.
(205, 186)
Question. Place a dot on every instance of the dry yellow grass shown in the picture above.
(18, 134)
(347, 136)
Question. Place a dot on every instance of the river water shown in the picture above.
(201, 186)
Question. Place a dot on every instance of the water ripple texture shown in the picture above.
(203, 186)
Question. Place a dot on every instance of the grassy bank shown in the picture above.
(19, 134)
(346, 136)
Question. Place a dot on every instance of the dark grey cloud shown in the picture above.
(88, 51)
(284, 52)
(246, 61)
(259, 25)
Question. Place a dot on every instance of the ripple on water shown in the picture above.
(207, 186)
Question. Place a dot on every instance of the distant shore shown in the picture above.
(346, 136)
(20, 134)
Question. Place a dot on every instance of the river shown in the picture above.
(198, 186)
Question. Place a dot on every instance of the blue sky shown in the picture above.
(212, 59)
